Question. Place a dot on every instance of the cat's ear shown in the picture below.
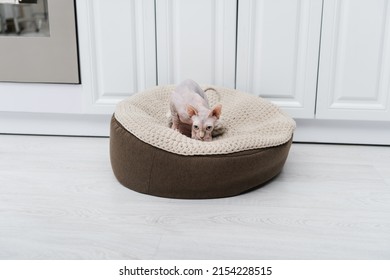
(216, 111)
(191, 111)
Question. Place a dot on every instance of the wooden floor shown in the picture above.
(60, 200)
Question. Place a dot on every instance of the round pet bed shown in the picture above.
(149, 157)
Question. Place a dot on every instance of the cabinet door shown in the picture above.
(277, 52)
(354, 74)
(122, 51)
(196, 39)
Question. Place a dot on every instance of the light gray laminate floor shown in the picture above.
(59, 200)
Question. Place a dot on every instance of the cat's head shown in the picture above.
(203, 122)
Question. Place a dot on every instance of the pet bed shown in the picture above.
(149, 157)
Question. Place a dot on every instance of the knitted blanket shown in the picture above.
(250, 122)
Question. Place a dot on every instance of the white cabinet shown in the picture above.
(196, 39)
(121, 48)
(279, 46)
(325, 62)
(277, 52)
(354, 73)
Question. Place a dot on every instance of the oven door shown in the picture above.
(38, 41)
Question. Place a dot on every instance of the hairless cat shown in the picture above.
(191, 112)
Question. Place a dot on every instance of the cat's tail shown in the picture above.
(216, 91)
(219, 127)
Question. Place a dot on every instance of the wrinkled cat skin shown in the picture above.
(191, 112)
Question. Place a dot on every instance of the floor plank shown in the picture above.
(60, 200)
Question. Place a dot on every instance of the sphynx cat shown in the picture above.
(191, 112)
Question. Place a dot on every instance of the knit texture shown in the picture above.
(250, 122)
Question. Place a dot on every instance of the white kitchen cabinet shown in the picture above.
(354, 72)
(325, 62)
(121, 46)
(277, 52)
(196, 39)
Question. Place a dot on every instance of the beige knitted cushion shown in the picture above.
(250, 122)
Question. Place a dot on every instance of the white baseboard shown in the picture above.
(55, 124)
(342, 132)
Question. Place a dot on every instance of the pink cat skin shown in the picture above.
(191, 113)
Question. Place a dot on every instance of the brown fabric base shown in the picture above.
(147, 169)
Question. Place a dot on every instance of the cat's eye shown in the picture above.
(209, 127)
(196, 127)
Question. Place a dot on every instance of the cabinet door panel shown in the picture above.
(277, 52)
(196, 39)
(354, 74)
(122, 50)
